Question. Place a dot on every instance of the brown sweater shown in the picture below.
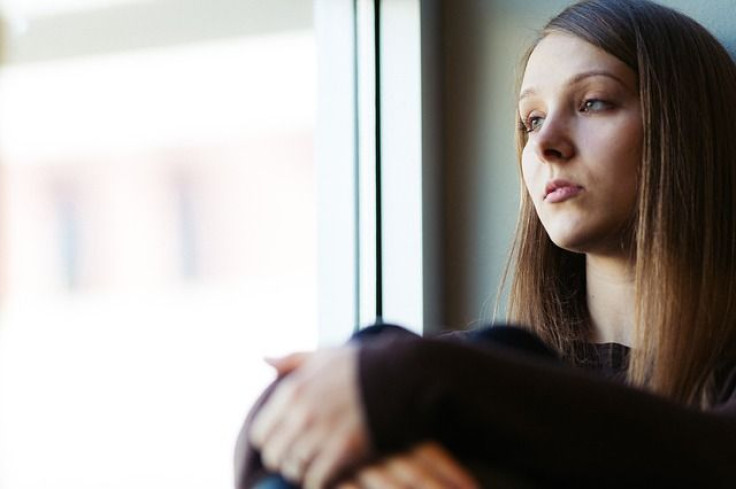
(518, 417)
(550, 424)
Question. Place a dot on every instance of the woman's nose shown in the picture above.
(553, 141)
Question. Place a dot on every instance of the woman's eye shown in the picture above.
(533, 123)
(594, 105)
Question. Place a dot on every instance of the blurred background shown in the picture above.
(157, 232)
(189, 185)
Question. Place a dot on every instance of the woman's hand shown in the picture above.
(312, 426)
(427, 466)
(289, 363)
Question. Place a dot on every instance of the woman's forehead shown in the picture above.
(560, 59)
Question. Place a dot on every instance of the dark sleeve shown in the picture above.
(547, 421)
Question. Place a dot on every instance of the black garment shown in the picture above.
(555, 425)
(517, 416)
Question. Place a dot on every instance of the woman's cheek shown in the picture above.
(528, 169)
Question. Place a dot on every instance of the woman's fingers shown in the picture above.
(299, 456)
(411, 472)
(395, 472)
(312, 428)
(270, 416)
(378, 477)
(348, 485)
(344, 449)
(434, 457)
(278, 450)
(427, 466)
(270, 424)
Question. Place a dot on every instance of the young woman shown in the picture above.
(624, 266)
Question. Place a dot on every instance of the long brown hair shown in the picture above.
(683, 230)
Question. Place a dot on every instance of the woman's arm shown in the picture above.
(530, 417)
(540, 419)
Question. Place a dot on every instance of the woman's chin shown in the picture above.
(591, 245)
(570, 246)
(574, 242)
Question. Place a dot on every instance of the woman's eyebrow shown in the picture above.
(587, 74)
(577, 79)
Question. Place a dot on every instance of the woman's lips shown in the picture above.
(560, 191)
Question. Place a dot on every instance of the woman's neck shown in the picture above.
(610, 296)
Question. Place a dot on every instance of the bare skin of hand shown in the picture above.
(426, 466)
(289, 363)
(312, 426)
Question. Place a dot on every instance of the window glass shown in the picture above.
(157, 233)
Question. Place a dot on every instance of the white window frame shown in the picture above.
(346, 160)
(388, 131)
(336, 159)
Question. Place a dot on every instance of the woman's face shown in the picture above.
(580, 108)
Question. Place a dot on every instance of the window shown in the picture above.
(159, 223)
(187, 187)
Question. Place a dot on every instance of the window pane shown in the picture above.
(158, 223)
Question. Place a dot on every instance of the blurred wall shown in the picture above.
(482, 41)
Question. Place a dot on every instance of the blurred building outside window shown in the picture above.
(157, 239)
